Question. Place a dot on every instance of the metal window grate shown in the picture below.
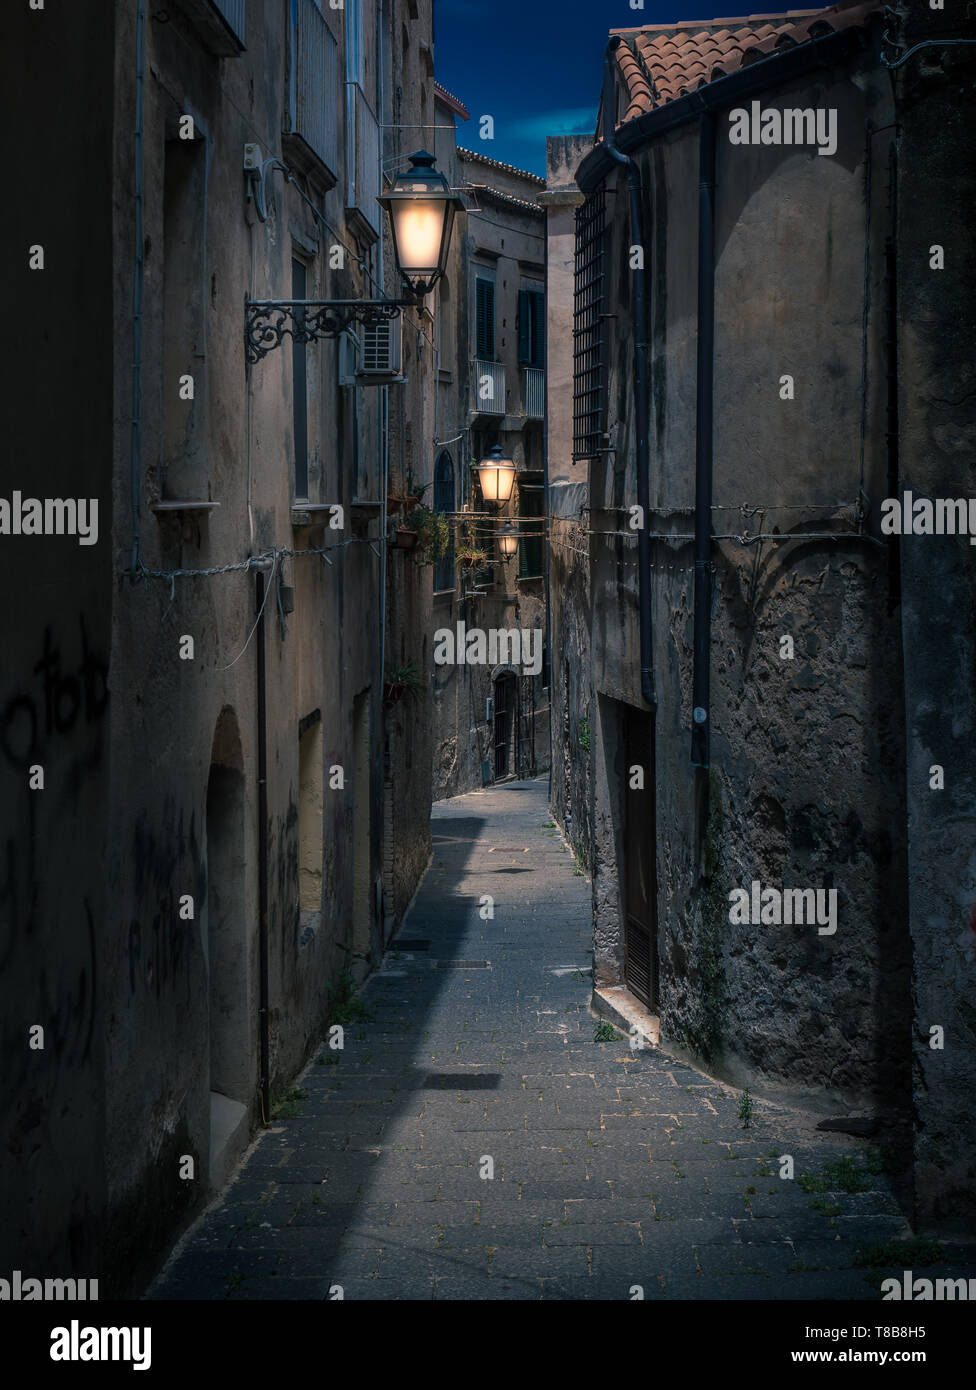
(589, 329)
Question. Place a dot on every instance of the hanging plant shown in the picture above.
(468, 557)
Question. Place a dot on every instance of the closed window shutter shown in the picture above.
(485, 304)
(525, 326)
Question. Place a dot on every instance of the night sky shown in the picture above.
(536, 65)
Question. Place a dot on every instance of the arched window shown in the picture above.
(444, 501)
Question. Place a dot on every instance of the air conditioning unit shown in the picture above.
(380, 362)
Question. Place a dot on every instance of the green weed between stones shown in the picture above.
(289, 1104)
(903, 1254)
(854, 1172)
(745, 1108)
(605, 1032)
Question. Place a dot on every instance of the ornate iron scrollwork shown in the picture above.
(268, 321)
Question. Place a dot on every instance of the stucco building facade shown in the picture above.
(208, 914)
(491, 719)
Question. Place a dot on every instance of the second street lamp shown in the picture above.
(496, 473)
(508, 539)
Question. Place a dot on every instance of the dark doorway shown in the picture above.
(506, 721)
(225, 943)
(639, 876)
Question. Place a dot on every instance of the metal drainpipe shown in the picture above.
(138, 274)
(262, 731)
(703, 441)
(547, 657)
(891, 372)
(641, 381)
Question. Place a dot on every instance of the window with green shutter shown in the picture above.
(485, 319)
(531, 328)
(531, 525)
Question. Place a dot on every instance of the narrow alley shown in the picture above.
(618, 1172)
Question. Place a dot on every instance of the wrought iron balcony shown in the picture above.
(534, 393)
(488, 388)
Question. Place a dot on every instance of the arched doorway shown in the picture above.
(505, 724)
(225, 938)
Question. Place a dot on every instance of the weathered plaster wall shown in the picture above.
(568, 499)
(804, 787)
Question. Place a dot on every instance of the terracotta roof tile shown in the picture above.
(454, 103)
(466, 155)
(659, 62)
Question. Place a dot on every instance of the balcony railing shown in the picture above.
(488, 388)
(534, 394)
(313, 92)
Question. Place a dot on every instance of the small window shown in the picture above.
(532, 328)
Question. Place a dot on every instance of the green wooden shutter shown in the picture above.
(526, 323)
(485, 312)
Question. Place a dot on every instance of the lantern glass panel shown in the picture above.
(418, 225)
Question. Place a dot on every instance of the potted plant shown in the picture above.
(469, 557)
(407, 500)
(399, 681)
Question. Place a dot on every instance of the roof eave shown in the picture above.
(722, 92)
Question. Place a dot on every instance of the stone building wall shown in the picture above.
(804, 787)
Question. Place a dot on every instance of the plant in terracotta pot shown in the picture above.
(470, 557)
(401, 680)
(408, 499)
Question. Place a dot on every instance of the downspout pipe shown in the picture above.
(262, 789)
(641, 376)
(701, 679)
(138, 277)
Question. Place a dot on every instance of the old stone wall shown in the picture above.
(804, 787)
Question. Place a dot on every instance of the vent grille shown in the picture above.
(381, 351)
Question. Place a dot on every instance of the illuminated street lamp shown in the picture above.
(496, 473)
(508, 539)
(421, 209)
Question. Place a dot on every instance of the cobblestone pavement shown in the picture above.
(613, 1168)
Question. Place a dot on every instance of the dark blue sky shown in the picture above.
(536, 65)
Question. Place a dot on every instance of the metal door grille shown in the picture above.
(589, 329)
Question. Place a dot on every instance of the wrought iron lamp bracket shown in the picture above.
(268, 321)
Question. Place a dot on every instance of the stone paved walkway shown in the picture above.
(612, 1167)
